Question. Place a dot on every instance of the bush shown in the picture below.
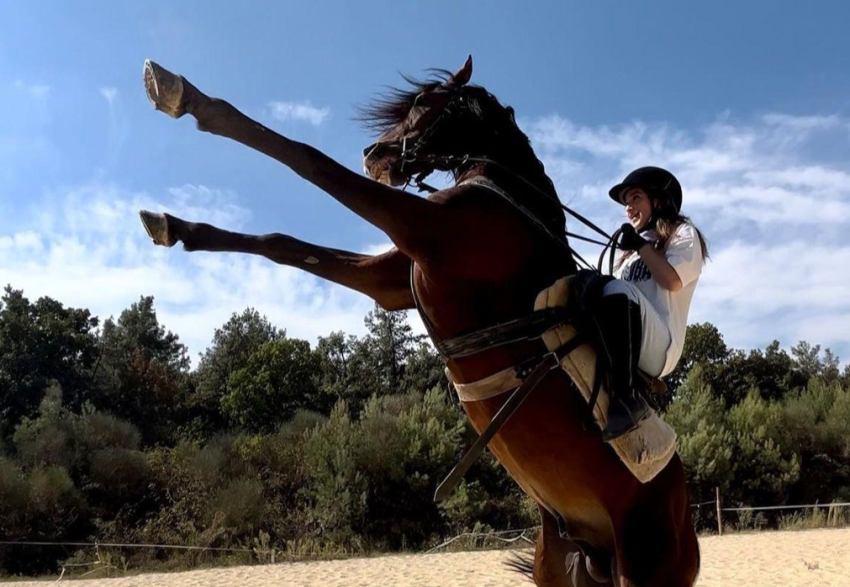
(46, 440)
(120, 474)
(96, 430)
(337, 490)
(14, 495)
(239, 507)
(763, 467)
(55, 511)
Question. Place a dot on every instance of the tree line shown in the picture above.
(107, 434)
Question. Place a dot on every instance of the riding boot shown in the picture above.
(620, 322)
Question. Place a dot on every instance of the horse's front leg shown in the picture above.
(384, 278)
(414, 224)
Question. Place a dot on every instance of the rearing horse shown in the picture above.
(477, 259)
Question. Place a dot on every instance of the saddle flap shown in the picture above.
(646, 450)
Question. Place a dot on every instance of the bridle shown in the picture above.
(413, 151)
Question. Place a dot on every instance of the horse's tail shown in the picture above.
(522, 564)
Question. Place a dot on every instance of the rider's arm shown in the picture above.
(679, 263)
(661, 270)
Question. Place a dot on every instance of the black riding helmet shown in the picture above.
(656, 182)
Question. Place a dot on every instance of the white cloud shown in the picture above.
(748, 283)
(109, 94)
(803, 123)
(37, 91)
(377, 248)
(745, 172)
(92, 252)
(299, 111)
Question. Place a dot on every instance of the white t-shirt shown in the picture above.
(684, 253)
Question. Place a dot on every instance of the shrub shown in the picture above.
(337, 490)
(239, 507)
(46, 439)
(119, 473)
(96, 430)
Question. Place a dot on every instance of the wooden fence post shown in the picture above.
(719, 519)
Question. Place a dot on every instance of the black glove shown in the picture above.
(630, 240)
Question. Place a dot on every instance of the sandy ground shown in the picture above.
(806, 558)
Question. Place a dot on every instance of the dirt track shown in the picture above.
(807, 558)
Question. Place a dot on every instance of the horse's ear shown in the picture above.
(464, 74)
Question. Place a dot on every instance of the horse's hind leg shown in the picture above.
(559, 562)
(385, 278)
(656, 542)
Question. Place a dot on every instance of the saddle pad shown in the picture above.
(645, 450)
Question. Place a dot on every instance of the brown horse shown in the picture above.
(477, 259)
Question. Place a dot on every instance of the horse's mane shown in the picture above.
(391, 108)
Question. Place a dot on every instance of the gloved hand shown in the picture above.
(630, 240)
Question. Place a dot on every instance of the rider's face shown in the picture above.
(638, 207)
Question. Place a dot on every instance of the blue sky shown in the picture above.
(747, 102)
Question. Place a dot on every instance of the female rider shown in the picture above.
(643, 313)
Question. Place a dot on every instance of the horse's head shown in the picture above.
(447, 124)
(413, 126)
(434, 124)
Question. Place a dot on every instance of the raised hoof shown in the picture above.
(156, 225)
(164, 89)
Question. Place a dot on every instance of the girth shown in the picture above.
(528, 327)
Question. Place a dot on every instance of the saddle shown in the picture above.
(560, 319)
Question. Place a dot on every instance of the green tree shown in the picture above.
(764, 465)
(337, 491)
(424, 369)
(816, 424)
(277, 379)
(388, 360)
(704, 345)
(143, 372)
(232, 345)
(771, 371)
(705, 443)
(338, 368)
(40, 343)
